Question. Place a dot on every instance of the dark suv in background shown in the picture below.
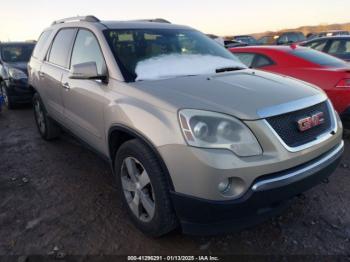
(14, 58)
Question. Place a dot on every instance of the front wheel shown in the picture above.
(47, 128)
(145, 190)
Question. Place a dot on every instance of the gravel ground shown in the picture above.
(60, 196)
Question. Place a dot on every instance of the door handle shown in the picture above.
(66, 86)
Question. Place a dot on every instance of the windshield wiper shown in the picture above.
(228, 69)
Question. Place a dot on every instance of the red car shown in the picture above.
(325, 71)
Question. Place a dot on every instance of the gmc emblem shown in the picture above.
(311, 121)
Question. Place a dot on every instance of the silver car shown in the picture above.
(195, 139)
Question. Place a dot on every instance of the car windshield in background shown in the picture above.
(319, 58)
(174, 52)
(297, 37)
(246, 39)
(16, 53)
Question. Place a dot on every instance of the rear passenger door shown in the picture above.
(55, 66)
(84, 99)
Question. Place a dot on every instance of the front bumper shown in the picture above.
(19, 90)
(265, 198)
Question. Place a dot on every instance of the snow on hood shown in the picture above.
(168, 66)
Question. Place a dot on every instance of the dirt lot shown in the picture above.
(60, 196)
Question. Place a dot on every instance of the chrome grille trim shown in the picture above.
(321, 138)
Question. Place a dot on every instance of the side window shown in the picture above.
(339, 47)
(61, 46)
(41, 43)
(319, 45)
(86, 49)
(261, 61)
(334, 47)
(246, 58)
(283, 39)
(347, 46)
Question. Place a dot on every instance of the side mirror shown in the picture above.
(86, 71)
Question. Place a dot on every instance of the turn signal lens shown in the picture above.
(344, 83)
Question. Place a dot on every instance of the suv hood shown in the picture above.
(241, 94)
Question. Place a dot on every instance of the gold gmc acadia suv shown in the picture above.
(195, 139)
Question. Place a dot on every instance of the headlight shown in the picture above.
(213, 130)
(17, 74)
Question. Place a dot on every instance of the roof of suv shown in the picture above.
(16, 43)
(157, 23)
(141, 25)
(332, 37)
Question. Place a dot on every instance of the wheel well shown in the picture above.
(116, 139)
(118, 135)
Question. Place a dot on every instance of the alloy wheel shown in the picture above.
(138, 189)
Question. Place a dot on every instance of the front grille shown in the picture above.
(286, 125)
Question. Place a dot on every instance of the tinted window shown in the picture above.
(318, 58)
(254, 60)
(291, 38)
(135, 45)
(246, 39)
(16, 52)
(41, 43)
(87, 49)
(266, 40)
(246, 58)
(339, 47)
(261, 61)
(317, 45)
(59, 53)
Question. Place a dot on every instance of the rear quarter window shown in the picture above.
(246, 58)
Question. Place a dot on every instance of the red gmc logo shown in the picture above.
(311, 121)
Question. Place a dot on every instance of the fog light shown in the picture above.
(224, 186)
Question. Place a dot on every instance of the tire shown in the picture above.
(47, 128)
(9, 103)
(163, 219)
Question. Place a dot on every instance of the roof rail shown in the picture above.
(88, 18)
(155, 20)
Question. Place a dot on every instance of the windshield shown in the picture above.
(296, 37)
(162, 53)
(16, 53)
(246, 39)
(319, 58)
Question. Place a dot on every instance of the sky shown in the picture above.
(25, 19)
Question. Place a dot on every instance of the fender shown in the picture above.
(133, 133)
